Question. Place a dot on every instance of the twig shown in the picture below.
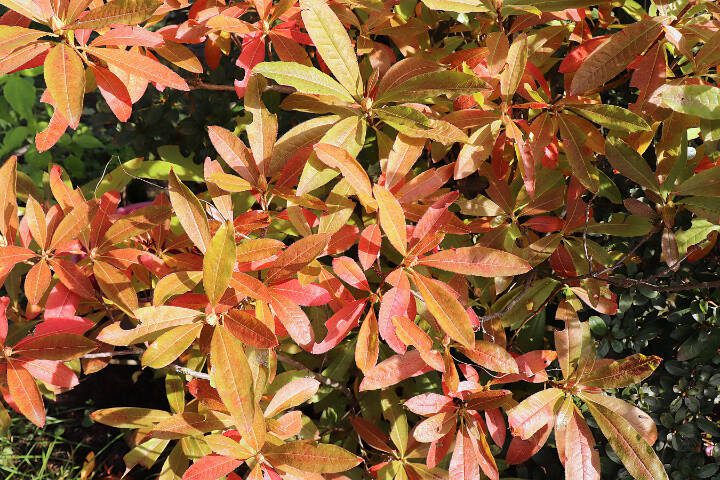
(197, 84)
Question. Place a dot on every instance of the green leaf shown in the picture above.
(333, 43)
(302, 78)
(697, 233)
(621, 226)
(612, 117)
(547, 5)
(705, 183)
(218, 263)
(699, 100)
(432, 84)
(457, 6)
(20, 94)
(630, 163)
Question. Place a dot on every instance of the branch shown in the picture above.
(197, 84)
(139, 351)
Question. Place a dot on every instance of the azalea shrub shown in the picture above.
(402, 247)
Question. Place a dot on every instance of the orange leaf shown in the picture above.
(65, 79)
(140, 65)
(477, 260)
(25, 393)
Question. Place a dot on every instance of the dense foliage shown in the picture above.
(451, 232)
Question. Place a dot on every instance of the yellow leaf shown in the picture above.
(218, 263)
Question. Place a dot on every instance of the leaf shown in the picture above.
(71, 225)
(457, 6)
(698, 100)
(394, 370)
(37, 281)
(13, 37)
(116, 286)
(392, 218)
(577, 154)
(153, 321)
(211, 467)
(292, 394)
(180, 56)
(621, 373)
(117, 12)
(65, 80)
(574, 344)
(26, 8)
(549, 5)
(369, 245)
(333, 44)
(447, 310)
(477, 260)
(135, 223)
(634, 452)
(531, 414)
(262, 131)
(189, 212)
(516, 62)
(630, 163)
(249, 330)
(129, 417)
(613, 56)
(55, 346)
(304, 79)
(256, 249)
(432, 84)
(139, 65)
(580, 457)
(235, 154)
(234, 381)
(367, 346)
(612, 117)
(218, 263)
(639, 420)
(339, 326)
(491, 356)
(297, 256)
(351, 170)
(8, 199)
(25, 393)
(403, 155)
(311, 457)
(170, 345)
